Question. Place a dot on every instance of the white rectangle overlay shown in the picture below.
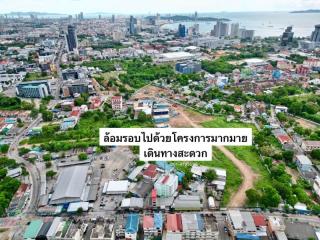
(173, 144)
(198, 152)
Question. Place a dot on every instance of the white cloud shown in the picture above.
(152, 6)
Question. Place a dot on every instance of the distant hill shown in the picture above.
(35, 13)
(307, 11)
(180, 18)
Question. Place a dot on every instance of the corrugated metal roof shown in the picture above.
(70, 184)
(158, 221)
(236, 219)
(44, 229)
(55, 223)
(132, 224)
(174, 223)
(33, 229)
(148, 222)
(248, 222)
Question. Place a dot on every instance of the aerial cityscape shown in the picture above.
(69, 68)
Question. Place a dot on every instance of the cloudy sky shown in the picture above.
(153, 6)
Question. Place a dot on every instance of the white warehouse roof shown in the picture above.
(70, 185)
(116, 187)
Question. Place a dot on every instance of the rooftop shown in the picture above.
(33, 229)
(70, 184)
(174, 223)
(132, 224)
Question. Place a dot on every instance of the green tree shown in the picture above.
(47, 116)
(3, 173)
(253, 196)
(82, 156)
(48, 164)
(288, 156)
(142, 117)
(210, 175)
(47, 157)
(315, 154)
(4, 148)
(51, 174)
(79, 211)
(270, 197)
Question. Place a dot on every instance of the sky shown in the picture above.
(154, 6)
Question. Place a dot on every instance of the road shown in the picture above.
(59, 72)
(13, 152)
(34, 174)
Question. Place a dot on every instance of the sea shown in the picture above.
(265, 24)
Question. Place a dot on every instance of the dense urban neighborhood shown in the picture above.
(62, 78)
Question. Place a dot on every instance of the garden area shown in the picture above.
(86, 132)
(14, 103)
(8, 185)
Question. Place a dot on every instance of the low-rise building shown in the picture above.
(316, 186)
(240, 223)
(132, 226)
(276, 228)
(103, 231)
(116, 187)
(132, 203)
(304, 164)
(308, 146)
(199, 227)
(116, 103)
(166, 185)
(152, 225)
(174, 223)
(187, 203)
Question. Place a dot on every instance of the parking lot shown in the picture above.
(114, 166)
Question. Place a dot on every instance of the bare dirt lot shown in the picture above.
(306, 124)
(189, 118)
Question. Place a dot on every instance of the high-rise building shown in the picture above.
(234, 30)
(113, 19)
(71, 37)
(132, 25)
(220, 29)
(315, 37)
(196, 16)
(182, 31)
(33, 89)
(80, 16)
(287, 36)
(246, 34)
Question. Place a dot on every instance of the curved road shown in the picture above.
(34, 173)
(13, 153)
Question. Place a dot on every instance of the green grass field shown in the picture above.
(234, 178)
(248, 154)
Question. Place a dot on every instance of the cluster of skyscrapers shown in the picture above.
(221, 30)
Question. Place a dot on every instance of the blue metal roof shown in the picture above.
(180, 176)
(200, 222)
(132, 225)
(246, 236)
(158, 221)
(164, 165)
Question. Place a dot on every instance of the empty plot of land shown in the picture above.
(238, 198)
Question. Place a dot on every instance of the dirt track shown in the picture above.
(238, 198)
(193, 119)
